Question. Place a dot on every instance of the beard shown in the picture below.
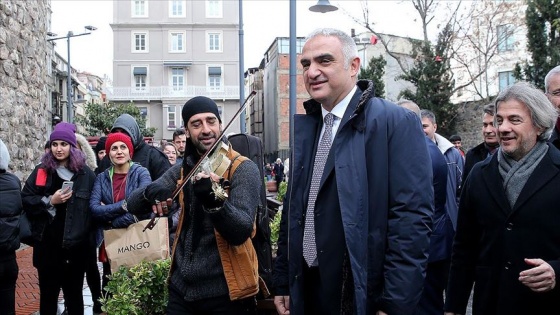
(201, 148)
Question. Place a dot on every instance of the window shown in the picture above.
(213, 8)
(177, 8)
(506, 79)
(171, 116)
(215, 78)
(178, 79)
(140, 42)
(214, 42)
(139, 8)
(505, 38)
(140, 82)
(284, 45)
(143, 112)
(140, 75)
(177, 41)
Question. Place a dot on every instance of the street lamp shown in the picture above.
(321, 6)
(69, 105)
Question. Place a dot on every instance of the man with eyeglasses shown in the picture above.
(552, 89)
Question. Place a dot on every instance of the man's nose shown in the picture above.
(505, 126)
(206, 127)
(313, 71)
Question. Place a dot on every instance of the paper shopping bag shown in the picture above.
(129, 246)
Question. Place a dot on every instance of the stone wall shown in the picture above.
(469, 123)
(24, 115)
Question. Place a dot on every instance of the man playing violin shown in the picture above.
(201, 278)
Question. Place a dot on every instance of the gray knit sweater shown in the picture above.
(197, 269)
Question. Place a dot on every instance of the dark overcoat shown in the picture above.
(379, 171)
(493, 239)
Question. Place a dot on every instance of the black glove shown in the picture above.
(202, 189)
(155, 192)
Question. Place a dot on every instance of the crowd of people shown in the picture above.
(383, 215)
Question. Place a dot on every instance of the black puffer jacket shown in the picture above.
(150, 157)
(10, 209)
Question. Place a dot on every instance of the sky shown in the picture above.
(263, 21)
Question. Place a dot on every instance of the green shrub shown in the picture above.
(139, 290)
(274, 231)
(282, 191)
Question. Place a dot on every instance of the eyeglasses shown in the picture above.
(554, 93)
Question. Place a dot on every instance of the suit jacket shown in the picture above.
(474, 155)
(493, 239)
(442, 231)
(384, 201)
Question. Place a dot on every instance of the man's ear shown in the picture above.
(435, 127)
(187, 133)
(355, 66)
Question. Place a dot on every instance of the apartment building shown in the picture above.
(166, 52)
(85, 88)
(276, 96)
(401, 48)
(487, 47)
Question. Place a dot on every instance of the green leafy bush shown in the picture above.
(139, 290)
(274, 231)
(282, 191)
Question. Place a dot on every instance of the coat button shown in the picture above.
(509, 226)
(299, 222)
(508, 264)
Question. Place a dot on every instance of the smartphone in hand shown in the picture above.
(67, 186)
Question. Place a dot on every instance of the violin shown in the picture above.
(215, 160)
(218, 163)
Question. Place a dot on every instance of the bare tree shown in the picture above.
(474, 44)
(482, 35)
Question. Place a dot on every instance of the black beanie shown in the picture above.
(100, 144)
(197, 105)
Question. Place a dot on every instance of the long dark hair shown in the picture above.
(76, 160)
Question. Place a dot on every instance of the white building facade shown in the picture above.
(487, 49)
(166, 52)
(369, 46)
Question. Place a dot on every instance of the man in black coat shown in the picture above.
(508, 231)
(278, 172)
(439, 253)
(488, 146)
(151, 158)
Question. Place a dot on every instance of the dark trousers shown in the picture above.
(431, 302)
(68, 276)
(93, 277)
(8, 277)
(212, 306)
(314, 299)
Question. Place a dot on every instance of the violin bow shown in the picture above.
(196, 167)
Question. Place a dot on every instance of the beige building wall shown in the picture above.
(175, 73)
(492, 43)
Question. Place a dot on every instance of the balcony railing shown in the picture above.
(165, 92)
